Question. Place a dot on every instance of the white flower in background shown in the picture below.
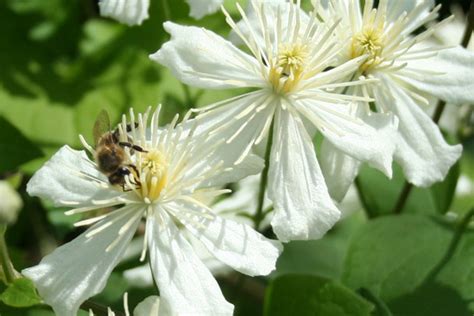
(148, 307)
(409, 73)
(131, 12)
(286, 69)
(451, 33)
(10, 203)
(201, 8)
(242, 204)
(161, 189)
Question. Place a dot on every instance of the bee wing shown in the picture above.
(101, 126)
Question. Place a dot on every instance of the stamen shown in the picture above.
(86, 145)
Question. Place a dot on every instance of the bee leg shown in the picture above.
(132, 146)
(128, 130)
(129, 127)
(135, 176)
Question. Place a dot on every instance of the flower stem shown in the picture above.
(363, 200)
(260, 215)
(403, 198)
(7, 266)
(453, 245)
(166, 10)
(469, 27)
(408, 187)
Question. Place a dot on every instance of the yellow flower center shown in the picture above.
(153, 174)
(288, 68)
(369, 41)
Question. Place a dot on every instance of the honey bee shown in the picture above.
(110, 155)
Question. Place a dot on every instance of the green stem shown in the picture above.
(259, 215)
(469, 27)
(5, 257)
(408, 187)
(189, 102)
(453, 245)
(166, 10)
(363, 200)
(403, 198)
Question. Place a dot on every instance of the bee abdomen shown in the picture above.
(109, 162)
(117, 178)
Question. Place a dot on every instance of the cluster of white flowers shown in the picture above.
(357, 76)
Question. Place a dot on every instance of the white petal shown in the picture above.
(131, 12)
(217, 268)
(243, 199)
(396, 7)
(139, 276)
(236, 244)
(422, 151)
(239, 133)
(303, 207)
(80, 269)
(184, 282)
(453, 80)
(200, 8)
(339, 170)
(201, 58)
(151, 306)
(367, 138)
(272, 11)
(69, 176)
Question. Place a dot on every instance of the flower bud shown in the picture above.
(10, 203)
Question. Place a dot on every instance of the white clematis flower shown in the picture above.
(409, 73)
(162, 188)
(131, 12)
(286, 67)
(201, 8)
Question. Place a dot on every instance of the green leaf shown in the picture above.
(380, 194)
(302, 295)
(21, 293)
(16, 149)
(395, 258)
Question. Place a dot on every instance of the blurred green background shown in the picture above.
(61, 63)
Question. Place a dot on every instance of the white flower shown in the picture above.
(409, 73)
(161, 189)
(131, 12)
(148, 307)
(10, 203)
(286, 67)
(200, 8)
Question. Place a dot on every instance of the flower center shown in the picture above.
(152, 169)
(369, 42)
(286, 71)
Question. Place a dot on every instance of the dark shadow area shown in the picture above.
(432, 298)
